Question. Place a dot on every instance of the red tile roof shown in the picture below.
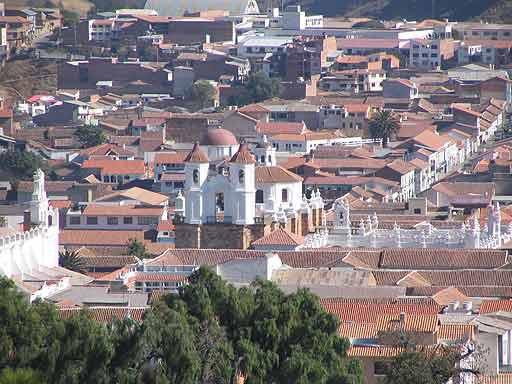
(489, 306)
(170, 158)
(280, 236)
(117, 167)
(98, 237)
(105, 314)
(275, 174)
(243, 155)
(456, 332)
(275, 128)
(196, 155)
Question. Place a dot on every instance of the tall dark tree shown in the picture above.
(90, 136)
(259, 87)
(383, 125)
(22, 165)
(71, 260)
(138, 249)
(202, 93)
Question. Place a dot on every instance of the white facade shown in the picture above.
(367, 233)
(37, 248)
(425, 55)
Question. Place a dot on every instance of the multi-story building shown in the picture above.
(493, 52)
(430, 54)
(354, 81)
(101, 30)
(481, 31)
(18, 30)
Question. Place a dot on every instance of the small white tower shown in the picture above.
(242, 174)
(196, 173)
(179, 204)
(265, 153)
(39, 207)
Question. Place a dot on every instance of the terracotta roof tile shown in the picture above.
(98, 237)
(196, 155)
(243, 155)
(449, 295)
(455, 332)
(117, 167)
(436, 259)
(254, 108)
(139, 194)
(105, 149)
(275, 128)
(108, 261)
(105, 314)
(489, 306)
(401, 166)
(275, 174)
(280, 236)
(502, 378)
(170, 158)
(374, 351)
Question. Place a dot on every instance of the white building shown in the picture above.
(241, 191)
(29, 251)
(354, 81)
(257, 47)
(367, 233)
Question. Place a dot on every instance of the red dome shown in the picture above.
(219, 136)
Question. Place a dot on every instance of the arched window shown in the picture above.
(284, 195)
(241, 176)
(195, 176)
(270, 159)
(259, 196)
(262, 159)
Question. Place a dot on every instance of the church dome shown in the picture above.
(219, 137)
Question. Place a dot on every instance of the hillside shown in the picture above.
(491, 10)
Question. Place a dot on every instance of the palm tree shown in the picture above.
(71, 260)
(383, 126)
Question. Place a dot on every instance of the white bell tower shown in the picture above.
(242, 175)
(265, 153)
(196, 173)
(39, 207)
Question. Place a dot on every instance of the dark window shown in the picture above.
(241, 176)
(259, 196)
(195, 176)
(127, 220)
(379, 367)
(112, 221)
(92, 220)
(417, 211)
(74, 220)
(284, 195)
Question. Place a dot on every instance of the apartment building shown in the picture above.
(354, 81)
(429, 54)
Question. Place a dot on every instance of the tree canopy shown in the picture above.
(90, 136)
(211, 332)
(138, 249)
(71, 260)
(202, 93)
(383, 125)
(259, 87)
(22, 164)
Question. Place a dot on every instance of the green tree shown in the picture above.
(22, 165)
(202, 93)
(259, 87)
(138, 248)
(71, 260)
(20, 376)
(90, 136)
(383, 125)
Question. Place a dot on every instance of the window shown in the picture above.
(417, 211)
(284, 195)
(259, 196)
(92, 220)
(433, 46)
(424, 55)
(262, 159)
(241, 176)
(147, 220)
(74, 220)
(379, 367)
(433, 55)
(179, 185)
(127, 220)
(112, 221)
(195, 176)
(415, 55)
